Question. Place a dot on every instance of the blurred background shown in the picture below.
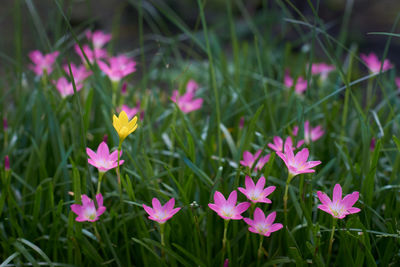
(122, 17)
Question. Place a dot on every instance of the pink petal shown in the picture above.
(149, 210)
(249, 183)
(77, 209)
(91, 153)
(242, 207)
(302, 156)
(271, 218)
(268, 190)
(349, 200)
(247, 157)
(337, 194)
(353, 210)
(100, 211)
(85, 200)
(259, 216)
(248, 221)
(156, 204)
(99, 199)
(275, 227)
(219, 198)
(169, 205)
(260, 183)
(242, 190)
(232, 198)
(102, 151)
(324, 198)
(213, 207)
(326, 209)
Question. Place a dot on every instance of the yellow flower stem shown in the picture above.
(99, 182)
(118, 173)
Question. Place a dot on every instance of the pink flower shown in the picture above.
(66, 88)
(103, 160)
(338, 207)
(6, 163)
(87, 211)
(159, 213)
(119, 67)
(261, 225)
(373, 63)
(249, 159)
(297, 164)
(131, 112)
(321, 68)
(186, 103)
(299, 87)
(192, 86)
(310, 134)
(42, 62)
(257, 193)
(92, 55)
(98, 38)
(397, 80)
(79, 73)
(227, 209)
(278, 143)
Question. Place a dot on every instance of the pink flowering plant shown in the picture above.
(160, 213)
(42, 63)
(374, 64)
(249, 160)
(118, 67)
(338, 207)
(256, 192)
(186, 103)
(256, 118)
(103, 160)
(88, 210)
(300, 85)
(310, 134)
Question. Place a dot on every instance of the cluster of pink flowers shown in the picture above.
(300, 85)
(374, 64)
(249, 160)
(186, 102)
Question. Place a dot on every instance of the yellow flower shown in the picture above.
(123, 126)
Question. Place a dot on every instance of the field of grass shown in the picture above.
(240, 67)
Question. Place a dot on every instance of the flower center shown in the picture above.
(227, 211)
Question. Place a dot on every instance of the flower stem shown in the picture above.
(224, 240)
(331, 240)
(285, 196)
(118, 173)
(96, 232)
(162, 240)
(259, 254)
(99, 182)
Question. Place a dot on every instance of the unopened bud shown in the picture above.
(6, 163)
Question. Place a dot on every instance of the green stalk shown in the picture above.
(331, 240)
(285, 196)
(162, 226)
(259, 253)
(226, 222)
(99, 182)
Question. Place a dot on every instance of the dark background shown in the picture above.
(366, 16)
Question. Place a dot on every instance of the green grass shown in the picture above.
(240, 65)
